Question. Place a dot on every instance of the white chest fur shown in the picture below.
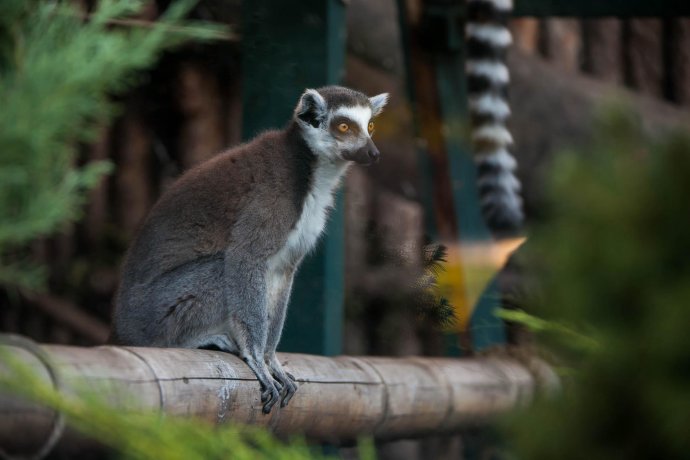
(304, 235)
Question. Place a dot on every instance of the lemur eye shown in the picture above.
(343, 127)
(371, 127)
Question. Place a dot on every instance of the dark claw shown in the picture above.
(290, 389)
(270, 403)
(286, 386)
(269, 398)
(288, 396)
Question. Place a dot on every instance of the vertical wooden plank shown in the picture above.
(681, 69)
(133, 143)
(643, 55)
(97, 207)
(288, 47)
(601, 53)
(563, 43)
(198, 97)
(677, 60)
(232, 109)
(525, 34)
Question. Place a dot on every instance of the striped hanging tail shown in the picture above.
(487, 41)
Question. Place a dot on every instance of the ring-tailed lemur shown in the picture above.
(213, 263)
(487, 41)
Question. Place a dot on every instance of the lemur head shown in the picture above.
(337, 123)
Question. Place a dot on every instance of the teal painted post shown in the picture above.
(452, 90)
(485, 328)
(287, 47)
(442, 34)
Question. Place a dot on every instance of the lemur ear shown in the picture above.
(378, 103)
(311, 108)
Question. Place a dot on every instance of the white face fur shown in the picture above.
(340, 129)
(357, 118)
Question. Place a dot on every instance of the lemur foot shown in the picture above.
(269, 397)
(290, 388)
(286, 386)
(288, 393)
(284, 381)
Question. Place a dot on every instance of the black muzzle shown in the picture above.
(366, 155)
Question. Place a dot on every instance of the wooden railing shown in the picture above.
(338, 398)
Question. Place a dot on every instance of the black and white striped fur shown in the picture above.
(487, 41)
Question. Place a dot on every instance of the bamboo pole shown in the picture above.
(338, 398)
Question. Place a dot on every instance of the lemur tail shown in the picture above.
(487, 41)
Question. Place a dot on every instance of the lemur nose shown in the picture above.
(374, 155)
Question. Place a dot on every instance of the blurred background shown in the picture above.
(189, 106)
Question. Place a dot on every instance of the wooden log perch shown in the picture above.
(338, 398)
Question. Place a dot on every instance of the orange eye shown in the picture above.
(343, 127)
(371, 127)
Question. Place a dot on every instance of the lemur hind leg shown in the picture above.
(270, 394)
(281, 286)
(245, 297)
(184, 305)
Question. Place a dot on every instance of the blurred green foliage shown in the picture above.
(431, 303)
(614, 261)
(57, 73)
(559, 331)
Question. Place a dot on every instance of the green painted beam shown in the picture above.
(287, 47)
(441, 34)
(486, 329)
(602, 8)
(452, 90)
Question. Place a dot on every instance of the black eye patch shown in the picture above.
(353, 127)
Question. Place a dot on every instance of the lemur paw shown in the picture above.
(286, 385)
(278, 385)
(290, 389)
(269, 397)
